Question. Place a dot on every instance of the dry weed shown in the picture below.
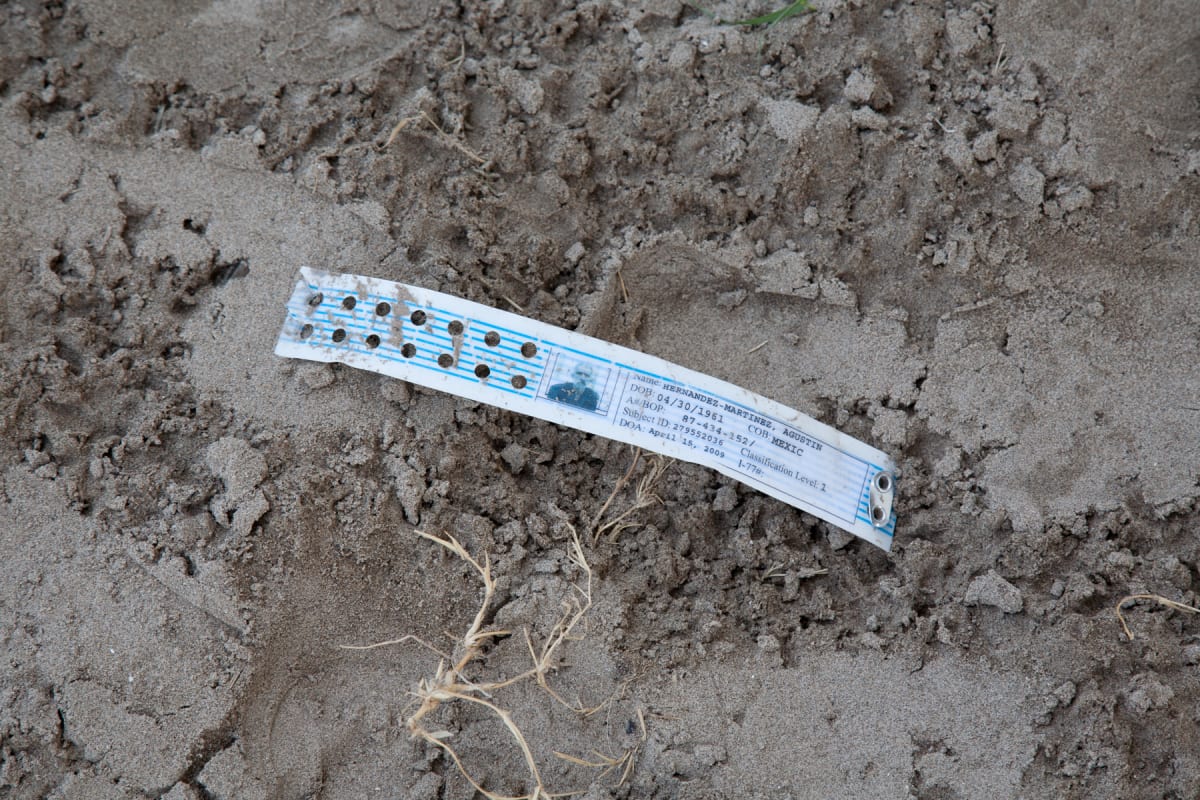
(624, 291)
(450, 683)
(643, 497)
(1158, 598)
(608, 764)
(446, 137)
(779, 571)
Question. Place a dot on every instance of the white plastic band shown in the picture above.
(513, 362)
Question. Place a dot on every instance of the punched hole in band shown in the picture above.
(339, 335)
(316, 300)
(491, 338)
(877, 514)
(883, 482)
(455, 328)
(418, 317)
(445, 360)
(482, 371)
(349, 303)
(518, 381)
(372, 341)
(408, 350)
(529, 349)
(383, 309)
(306, 331)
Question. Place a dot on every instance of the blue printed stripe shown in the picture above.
(498, 366)
(353, 321)
(460, 370)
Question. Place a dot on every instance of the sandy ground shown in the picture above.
(966, 233)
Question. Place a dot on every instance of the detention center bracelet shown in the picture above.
(516, 363)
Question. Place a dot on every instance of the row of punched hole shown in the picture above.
(408, 349)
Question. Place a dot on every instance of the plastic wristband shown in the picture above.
(506, 360)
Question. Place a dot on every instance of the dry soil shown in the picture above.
(966, 233)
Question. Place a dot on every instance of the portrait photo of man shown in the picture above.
(579, 391)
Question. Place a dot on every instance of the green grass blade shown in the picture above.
(778, 15)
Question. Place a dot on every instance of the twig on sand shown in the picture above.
(450, 140)
(1158, 598)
